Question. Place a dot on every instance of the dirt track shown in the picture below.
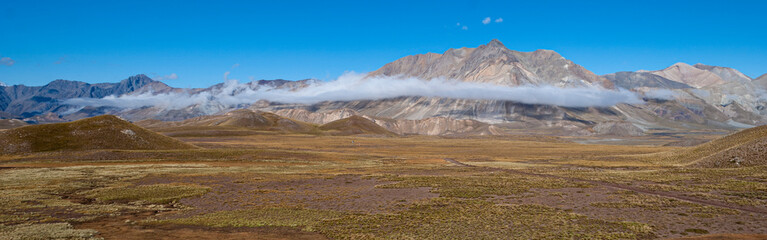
(624, 187)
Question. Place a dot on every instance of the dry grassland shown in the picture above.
(353, 187)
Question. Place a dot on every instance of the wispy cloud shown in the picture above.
(486, 20)
(172, 76)
(226, 74)
(352, 86)
(462, 27)
(662, 94)
(7, 61)
(489, 20)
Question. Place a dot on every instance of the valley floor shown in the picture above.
(268, 186)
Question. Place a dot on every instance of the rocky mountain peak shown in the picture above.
(761, 81)
(681, 65)
(495, 43)
(764, 76)
(139, 79)
(496, 64)
(133, 83)
(727, 74)
(687, 74)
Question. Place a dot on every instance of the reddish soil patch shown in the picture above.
(667, 222)
(348, 193)
(125, 227)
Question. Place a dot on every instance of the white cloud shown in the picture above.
(499, 20)
(2, 84)
(458, 24)
(226, 74)
(464, 28)
(7, 61)
(172, 76)
(662, 94)
(352, 86)
(486, 20)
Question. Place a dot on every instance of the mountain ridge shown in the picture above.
(496, 64)
(680, 96)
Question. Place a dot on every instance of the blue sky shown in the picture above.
(198, 41)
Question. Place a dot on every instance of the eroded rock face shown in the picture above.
(761, 81)
(692, 76)
(316, 117)
(621, 129)
(632, 80)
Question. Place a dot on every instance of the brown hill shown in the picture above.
(11, 123)
(355, 125)
(744, 148)
(102, 132)
(236, 122)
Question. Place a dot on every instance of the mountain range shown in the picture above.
(680, 97)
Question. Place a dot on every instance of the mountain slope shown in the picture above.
(102, 132)
(355, 125)
(761, 81)
(237, 119)
(678, 97)
(725, 73)
(746, 147)
(30, 101)
(692, 76)
(631, 80)
(494, 63)
(11, 123)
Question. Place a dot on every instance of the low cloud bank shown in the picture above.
(662, 94)
(353, 86)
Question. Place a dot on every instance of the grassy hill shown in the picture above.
(744, 148)
(237, 122)
(355, 125)
(101, 132)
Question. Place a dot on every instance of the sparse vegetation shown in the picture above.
(337, 186)
(447, 218)
(306, 219)
(45, 231)
(102, 132)
(158, 194)
(474, 186)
